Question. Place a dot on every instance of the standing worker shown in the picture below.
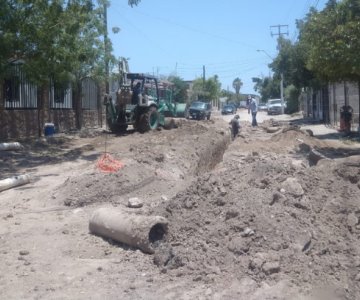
(253, 107)
(235, 126)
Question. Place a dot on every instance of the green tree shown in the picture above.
(331, 37)
(53, 38)
(59, 40)
(180, 89)
(267, 87)
(237, 84)
(208, 89)
(292, 94)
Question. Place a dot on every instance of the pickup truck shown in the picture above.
(274, 106)
(200, 110)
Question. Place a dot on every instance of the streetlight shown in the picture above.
(281, 82)
(259, 50)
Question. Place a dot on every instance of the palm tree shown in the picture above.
(237, 84)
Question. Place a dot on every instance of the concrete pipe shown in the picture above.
(10, 146)
(13, 182)
(142, 232)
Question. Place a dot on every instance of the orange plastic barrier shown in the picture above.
(108, 164)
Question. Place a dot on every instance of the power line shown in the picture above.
(189, 28)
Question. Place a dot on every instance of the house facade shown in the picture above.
(25, 107)
(326, 104)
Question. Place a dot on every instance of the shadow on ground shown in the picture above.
(40, 152)
(337, 152)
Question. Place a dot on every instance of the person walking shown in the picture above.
(253, 108)
(235, 126)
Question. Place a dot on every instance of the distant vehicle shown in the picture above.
(242, 104)
(234, 105)
(200, 110)
(274, 106)
(262, 107)
(228, 109)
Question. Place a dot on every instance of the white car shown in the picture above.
(274, 106)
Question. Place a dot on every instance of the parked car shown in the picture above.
(234, 105)
(262, 107)
(274, 106)
(228, 109)
(200, 110)
(242, 104)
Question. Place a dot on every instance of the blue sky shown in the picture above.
(180, 36)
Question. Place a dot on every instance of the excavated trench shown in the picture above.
(158, 163)
(148, 176)
(211, 156)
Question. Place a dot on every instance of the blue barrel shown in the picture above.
(49, 129)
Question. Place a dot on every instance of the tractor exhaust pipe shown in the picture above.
(138, 231)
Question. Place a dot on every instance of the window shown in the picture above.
(11, 89)
(18, 93)
(60, 96)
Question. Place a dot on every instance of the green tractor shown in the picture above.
(138, 104)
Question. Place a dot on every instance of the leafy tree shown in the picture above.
(237, 84)
(332, 39)
(55, 39)
(208, 89)
(8, 33)
(59, 39)
(226, 93)
(292, 96)
(268, 87)
(213, 87)
(179, 89)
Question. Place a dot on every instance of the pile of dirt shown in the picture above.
(153, 163)
(272, 219)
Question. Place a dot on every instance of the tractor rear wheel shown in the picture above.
(149, 120)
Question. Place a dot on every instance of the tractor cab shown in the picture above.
(136, 104)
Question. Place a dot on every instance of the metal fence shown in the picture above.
(89, 92)
(60, 96)
(18, 92)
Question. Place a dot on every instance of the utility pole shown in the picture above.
(204, 75)
(106, 49)
(204, 79)
(280, 33)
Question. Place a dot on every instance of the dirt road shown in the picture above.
(263, 217)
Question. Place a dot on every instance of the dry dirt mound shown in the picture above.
(271, 220)
(154, 162)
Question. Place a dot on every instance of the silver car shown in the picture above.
(274, 107)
